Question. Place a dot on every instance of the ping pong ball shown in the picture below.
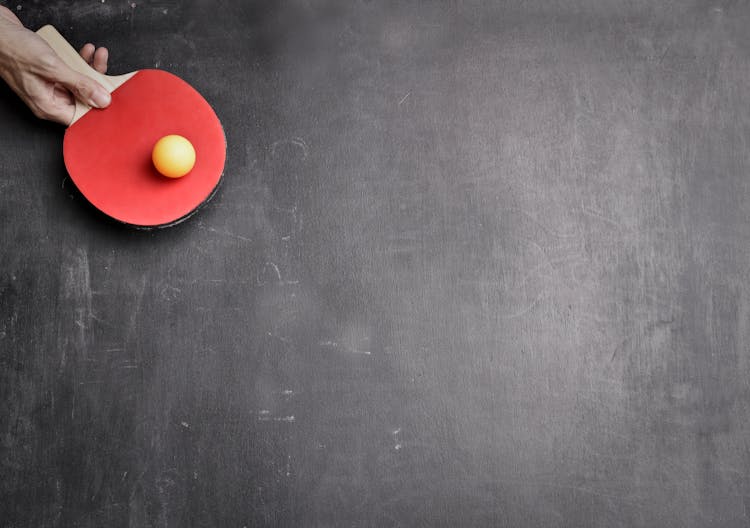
(173, 156)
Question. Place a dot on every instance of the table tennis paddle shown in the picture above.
(107, 152)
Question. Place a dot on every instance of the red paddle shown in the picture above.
(108, 152)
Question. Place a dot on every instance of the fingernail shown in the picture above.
(100, 99)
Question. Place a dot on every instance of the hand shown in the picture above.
(41, 79)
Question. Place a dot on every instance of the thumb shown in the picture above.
(83, 88)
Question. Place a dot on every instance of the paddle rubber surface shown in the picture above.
(108, 152)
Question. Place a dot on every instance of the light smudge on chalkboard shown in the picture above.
(337, 346)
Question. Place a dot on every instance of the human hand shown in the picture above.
(41, 79)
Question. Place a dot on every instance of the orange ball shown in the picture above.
(173, 156)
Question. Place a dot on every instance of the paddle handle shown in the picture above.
(71, 57)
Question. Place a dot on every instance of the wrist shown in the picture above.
(8, 15)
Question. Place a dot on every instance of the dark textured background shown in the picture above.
(471, 264)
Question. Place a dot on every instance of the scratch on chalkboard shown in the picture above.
(274, 267)
(594, 491)
(296, 142)
(599, 216)
(397, 443)
(76, 293)
(283, 339)
(526, 309)
(550, 231)
(133, 319)
(276, 418)
(170, 293)
(265, 416)
(333, 345)
(224, 232)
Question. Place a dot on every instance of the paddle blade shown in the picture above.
(108, 152)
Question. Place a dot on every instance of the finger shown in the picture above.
(101, 56)
(46, 100)
(60, 113)
(60, 93)
(83, 88)
(58, 106)
(57, 113)
(87, 53)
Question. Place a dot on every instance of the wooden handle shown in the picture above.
(71, 57)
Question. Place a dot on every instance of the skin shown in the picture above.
(41, 79)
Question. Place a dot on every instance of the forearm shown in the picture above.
(9, 26)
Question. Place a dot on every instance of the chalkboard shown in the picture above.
(471, 264)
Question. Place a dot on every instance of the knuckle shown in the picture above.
(81, 88)
(48, 62)
(41, 112)
(45, 110)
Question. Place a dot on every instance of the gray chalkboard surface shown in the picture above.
(471, 264)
